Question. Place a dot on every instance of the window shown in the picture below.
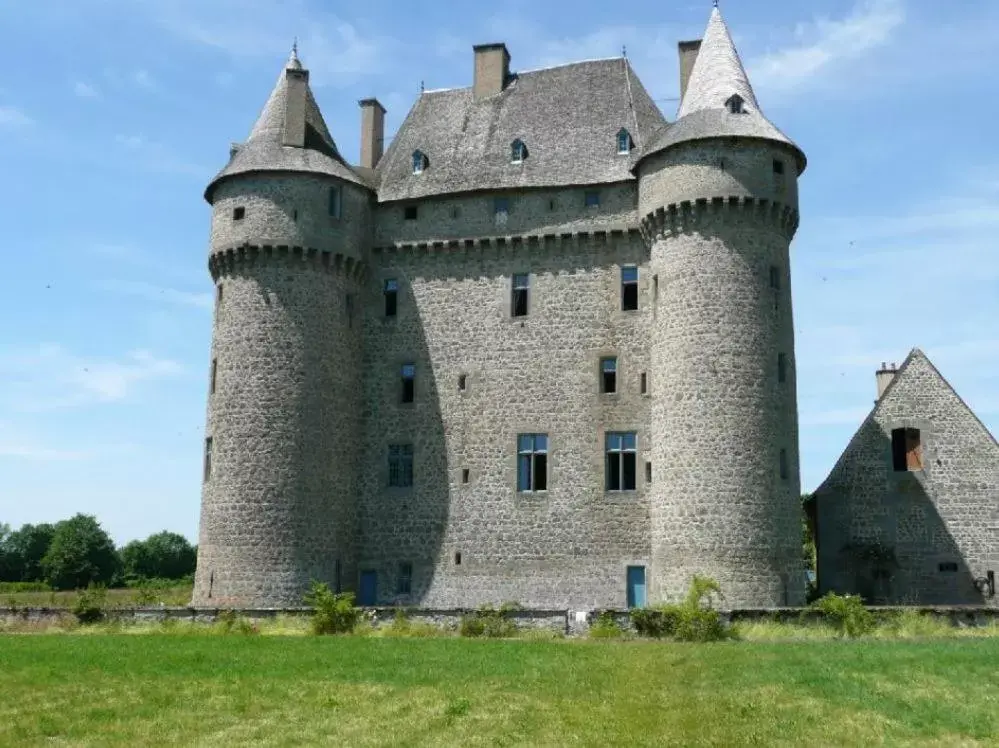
(629, 288)
(336, 196)
(644, 383)
(400, 464)
(238, 213)
(501, 206)
(348, 302)
(778, 166)
(294, 215)
(608, 375)
(624, 142)
(648, 473)
(775, 278)
(552, 205)
(409, 213)
(457, 558)
(518, 151)
(655, 288)
(420, 162)
(462, 382)
(208, 459)
(621, 449)
(783, 464)
(906, 450)
(592, 199)
(405, 582)
(391, 294)
(532, 462)
(781, 367)
(218, 297)
(408, 383)
(947, 566)
(215, 368)
(518, 303)
(456, 211)
(337, 576)
(465, 475)
(734, 104)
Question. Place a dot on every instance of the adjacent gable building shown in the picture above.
(910, 513)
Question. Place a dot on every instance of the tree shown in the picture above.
(23, 550)
(165, 555)
(81, 554)
(6, 561)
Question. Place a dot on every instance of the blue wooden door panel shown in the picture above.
(368, 594)
(636, 586)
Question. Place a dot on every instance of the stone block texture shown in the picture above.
(924, 536)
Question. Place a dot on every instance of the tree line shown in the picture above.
(77, 552)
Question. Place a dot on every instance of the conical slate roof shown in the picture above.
(718, 75)
(264, 150)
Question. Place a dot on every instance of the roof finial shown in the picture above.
(716, 3)
(422, 87)
(293, 62)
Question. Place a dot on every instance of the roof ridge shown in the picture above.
(567, 64)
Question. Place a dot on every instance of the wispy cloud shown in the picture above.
(85, 90)
(11, 116)
(157, 294)
(156, 157)
(143, 79)
(823, 44)
(49, 377)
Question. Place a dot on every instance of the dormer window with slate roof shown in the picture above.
(518, 151)
(420, 162)
(624, 142)
(734, 104)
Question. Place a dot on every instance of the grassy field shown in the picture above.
(450, 691)
(179, 595)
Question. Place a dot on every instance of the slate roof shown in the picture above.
(717, 75)
(567, 116)
(263, 150)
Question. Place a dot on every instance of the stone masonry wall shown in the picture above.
(883, 534)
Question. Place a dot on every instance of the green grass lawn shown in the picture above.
(179, 595)
(234, 690)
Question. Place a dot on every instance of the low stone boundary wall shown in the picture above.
(568, 622)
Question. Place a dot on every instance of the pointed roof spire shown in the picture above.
(290, 134)
(718, 72)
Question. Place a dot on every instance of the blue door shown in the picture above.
(636, 586)
(368, 594)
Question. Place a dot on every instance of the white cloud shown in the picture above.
(13, 117)
(143, 79)
(48, 377)
(85, 90)
(823, 43)
(159, 294)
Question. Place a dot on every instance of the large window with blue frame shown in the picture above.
(621, 457)
(532, 462)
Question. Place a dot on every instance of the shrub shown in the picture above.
(693, 620)
(490, 622)
(846, 613)
(90, 606)
(228, 622)
(605, 626)
(332, 613)
(15, 587)
(472, 625)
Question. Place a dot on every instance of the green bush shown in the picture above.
(15, 587)
(605, 626)
(91, 605)
(489, 622)
(472, 625)
(332, 613)
(229, 622)
(846, 613)
(693, 620)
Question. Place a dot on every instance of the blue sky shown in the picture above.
(115, 113)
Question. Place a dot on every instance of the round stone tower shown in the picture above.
(719, 202)
(290, 222)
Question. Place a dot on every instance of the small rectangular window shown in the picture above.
(648, 473)
(532, 462)
(400, 465)
(462, 382)
(391, 297)
(906, 450)
(457, 558)
(218, 297)
(775, 278)
(238, 213)
(408, 383)
(947, 566)
(208, 459)
(348, 307)
(337, 577)
(520, 288)
(783, 464)
(644, 383)
(621, 453)
(501, 205)
(405, 582)
(781, 367)
(215, 369)
(409, 212)
(465, 475)
(608, 375)
(778, 166)
(629, 288)
(592, 199)
(335, 205)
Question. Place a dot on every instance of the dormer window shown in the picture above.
(734, 104)
(624, 142)
(420, 162)
(518, 151)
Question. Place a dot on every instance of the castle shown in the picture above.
(540, 349)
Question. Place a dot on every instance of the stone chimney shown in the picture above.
(297, 84)
(688, 56)
(492, 69)
(885, 375)
(372, 132)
